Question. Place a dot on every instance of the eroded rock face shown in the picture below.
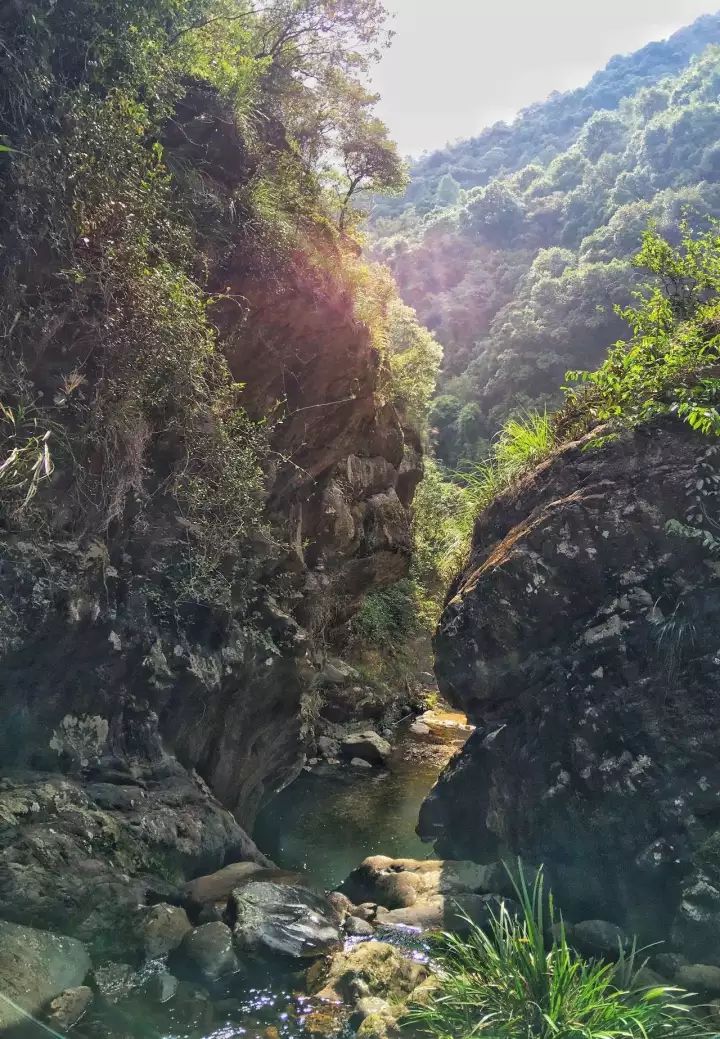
(73, 863)
(582, 641)
(91, 625)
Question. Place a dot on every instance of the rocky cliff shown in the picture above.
(582, 639)
(170, 709)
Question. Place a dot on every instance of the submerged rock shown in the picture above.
(699, 977)
(285, 920)
(67, 1008)
(115, 981)
(35, 967)
(209, 950)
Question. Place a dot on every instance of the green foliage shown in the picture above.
(522, 443)
(516, 273)
(414, 357)
(443, 515)
(387, 618)
(669, 364)
(149, 144)
(511, 982)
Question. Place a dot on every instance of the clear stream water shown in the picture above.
(331, 818)
(322, 826)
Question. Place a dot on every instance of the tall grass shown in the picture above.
(522, 443)
(511, 982)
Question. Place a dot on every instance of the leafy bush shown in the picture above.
(510, 982)
(387, 617)
(669, 365)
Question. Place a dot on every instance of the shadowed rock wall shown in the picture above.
(582, 640)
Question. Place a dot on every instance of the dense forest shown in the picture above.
(515, 246)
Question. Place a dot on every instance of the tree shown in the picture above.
(448, 191)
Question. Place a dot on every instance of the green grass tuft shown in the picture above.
(523, 442)
(511, 982)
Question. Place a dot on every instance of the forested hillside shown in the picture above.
(515, 246)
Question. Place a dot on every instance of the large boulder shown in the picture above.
(399, 883)
(285, 920)
(581, 640)
(35, 967)
(367, 746)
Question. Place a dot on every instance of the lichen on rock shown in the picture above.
(581, 640)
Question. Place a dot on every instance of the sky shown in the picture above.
(456, 66)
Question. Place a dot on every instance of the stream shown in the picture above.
(331, 818)
(322, 826)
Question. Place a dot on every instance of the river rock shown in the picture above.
(35, 967)
(377, 1017)
(286, 920)
(668, 963)
(445, 726)
(368, 746)
(598, 938)
(328, 748)
(209, 950)
(67, 1008)
(164, 928)
(699, 977)
(341, 904)
(356, 927)
(420, 730)
(161, 987)
(218, 886)
(373, 968)
(115, 981)
(448, 913)
(396, 883)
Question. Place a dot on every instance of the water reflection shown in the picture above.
(332, 818)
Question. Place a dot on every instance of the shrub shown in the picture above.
(387, 617)
(509, 982)
(669, 365)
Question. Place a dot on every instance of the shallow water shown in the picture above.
(323, 825)
(332, 818)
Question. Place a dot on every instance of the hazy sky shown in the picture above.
(457, 65)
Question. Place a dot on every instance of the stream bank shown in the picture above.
(228, 956)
